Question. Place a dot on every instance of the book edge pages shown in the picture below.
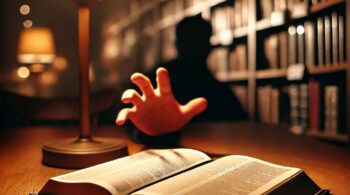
(110, 188)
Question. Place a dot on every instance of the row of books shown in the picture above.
(303, 106)
(289, 8)
(227, 18)
(310, 44)
(221, 60)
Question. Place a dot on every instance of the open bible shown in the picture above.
(182, 171)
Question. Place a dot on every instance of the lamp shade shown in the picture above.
(36, 45)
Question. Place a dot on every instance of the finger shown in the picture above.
(131, 96)
(194, 107)
(124, 114)
(143, 83)
(163, 81)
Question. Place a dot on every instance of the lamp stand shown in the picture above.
(85, 150)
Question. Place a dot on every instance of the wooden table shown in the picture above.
(21, 170)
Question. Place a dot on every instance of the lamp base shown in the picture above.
(74, 153)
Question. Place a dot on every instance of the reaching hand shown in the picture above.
(157, 111)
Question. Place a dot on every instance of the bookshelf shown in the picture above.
(248, 38)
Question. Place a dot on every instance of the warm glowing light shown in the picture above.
(28, 23)
(37, 68)
(226, 37)
(300, 30)
(48, 78)
(111, 49)
(60, 63)
(36, 45)
(291, 30)
(24, 9)
(92, 74)
(23, 72)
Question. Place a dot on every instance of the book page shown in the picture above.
(127, 174)
(227, 175)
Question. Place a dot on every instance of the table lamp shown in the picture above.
(35, 48)
(85, 150)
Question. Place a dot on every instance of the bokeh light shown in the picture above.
(23, 72)
(24, 9)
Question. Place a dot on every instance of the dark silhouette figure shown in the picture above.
(191, 78)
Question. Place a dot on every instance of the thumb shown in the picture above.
(194, 107)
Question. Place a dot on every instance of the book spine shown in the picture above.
(334, 17)
(331, 110)
(310, 43)
(245, 12)
(304, 106)
(294, 105)
(341, 37)
(328, 38)
(292, 45)
(283, 49)
(238, 13)
(301, 46)
(320, 43)
(275, 106)
(314, 105)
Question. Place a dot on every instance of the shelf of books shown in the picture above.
(255, 42)
(315, 104)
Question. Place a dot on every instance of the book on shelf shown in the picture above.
(222, 20)
(331, 110)
(314, 105)
(218, 60)
(300, 44)
(334, 19)
(238, 58)
(292, 45)
(245, 12)
(327, 40)
(264, 103)
(299, 107)
(310, 43)
(320, 42)
(241, 93)
(183, 171)
(275, 106)
(304, 106)
(271, 51)
(283, 49)
(341, 37)
(238, 13)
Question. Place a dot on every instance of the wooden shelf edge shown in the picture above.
(315, 70)
(270, 74)
(343, 138)
(265, 24)
(324, 5)
(232, 76)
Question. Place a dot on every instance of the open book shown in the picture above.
(182, 171)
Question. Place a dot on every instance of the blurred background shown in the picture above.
(256, 43)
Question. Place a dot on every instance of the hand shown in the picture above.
(157, 111)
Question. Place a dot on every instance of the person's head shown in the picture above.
(193, 36)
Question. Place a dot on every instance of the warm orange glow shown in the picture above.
(91, 73)
(23, 72)
(28, 23)
(36, 45)
(48, 78)
(60, 63)
(24, 9)
(37, 68)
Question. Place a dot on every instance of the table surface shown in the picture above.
(21, 171)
